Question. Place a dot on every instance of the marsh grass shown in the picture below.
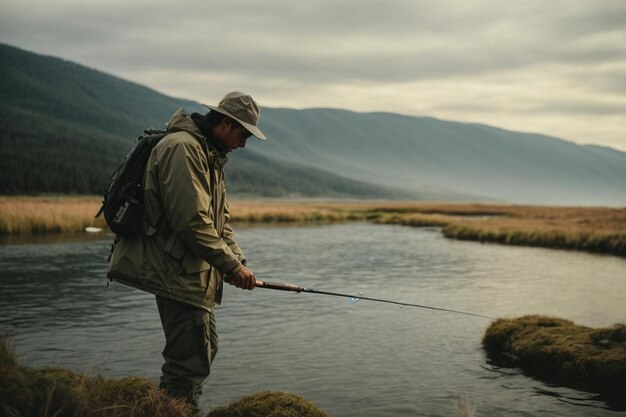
(52, 214)
(592, 229)
(289, 212)
(589, 229)
(415, 219)
(558, 349)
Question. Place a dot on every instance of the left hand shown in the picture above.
(244, 278)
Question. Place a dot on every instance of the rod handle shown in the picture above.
(278, 286)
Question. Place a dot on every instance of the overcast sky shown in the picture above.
(556, 67)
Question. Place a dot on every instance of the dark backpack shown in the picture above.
(122, 202)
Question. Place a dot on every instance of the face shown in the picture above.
(231, 135)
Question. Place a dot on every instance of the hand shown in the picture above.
(244, 278)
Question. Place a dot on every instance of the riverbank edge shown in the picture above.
(59, 392)
(555, 349)
(595, 229)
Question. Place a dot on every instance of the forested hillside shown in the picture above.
(64, 129)
(42, 154)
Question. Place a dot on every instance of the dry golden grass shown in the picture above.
(590, 229)
(23, 215)
(38, 215)
(594, 229)
(288, 212)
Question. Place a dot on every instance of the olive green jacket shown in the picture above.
(186, 245)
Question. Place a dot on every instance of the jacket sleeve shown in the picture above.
(184, 186)
(229, 235)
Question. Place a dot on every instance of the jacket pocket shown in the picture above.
(188, 264)
(174, 251)
(195, 266)
(175, 247)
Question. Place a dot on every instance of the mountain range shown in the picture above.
(65, 127)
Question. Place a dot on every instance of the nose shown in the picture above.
(242, 144)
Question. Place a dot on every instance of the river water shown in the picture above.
(363, 359)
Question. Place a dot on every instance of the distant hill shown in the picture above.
(65, 127)
(417, 152)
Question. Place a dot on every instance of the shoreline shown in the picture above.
(588, 229)
(548, 348)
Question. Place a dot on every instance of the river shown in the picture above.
(362, 359)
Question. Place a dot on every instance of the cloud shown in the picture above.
(493, 58)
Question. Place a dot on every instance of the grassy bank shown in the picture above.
(296, 212)
(59, 392)
(593, 229)
(557, 349)
(24, 215)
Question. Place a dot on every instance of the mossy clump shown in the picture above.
(59, 392)
(269, 404)
(26, 392)
(558, 349)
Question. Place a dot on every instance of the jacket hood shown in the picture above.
(181, 121)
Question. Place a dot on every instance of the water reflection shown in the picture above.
(366, 359)
(508, 365)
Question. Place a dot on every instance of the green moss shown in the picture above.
(269, 404)
(574, 355)
(59, 392)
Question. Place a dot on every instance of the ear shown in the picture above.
(224, 124)
(232, 123)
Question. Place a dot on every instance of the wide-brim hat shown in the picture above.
(241, 107)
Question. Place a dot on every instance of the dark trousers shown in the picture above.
(190, 347)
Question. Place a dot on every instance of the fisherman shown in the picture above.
(186, 249)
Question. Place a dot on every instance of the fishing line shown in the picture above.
(352, 299)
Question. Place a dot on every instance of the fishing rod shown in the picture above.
(299, 289)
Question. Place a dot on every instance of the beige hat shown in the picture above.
(241, 107)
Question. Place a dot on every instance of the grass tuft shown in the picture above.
(62, 393)
(269, 404)
(576, 356)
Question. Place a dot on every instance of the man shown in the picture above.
(186, 248)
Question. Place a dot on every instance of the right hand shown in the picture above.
(244, 278)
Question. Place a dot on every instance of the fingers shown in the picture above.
(249, 280)
(244, 278)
